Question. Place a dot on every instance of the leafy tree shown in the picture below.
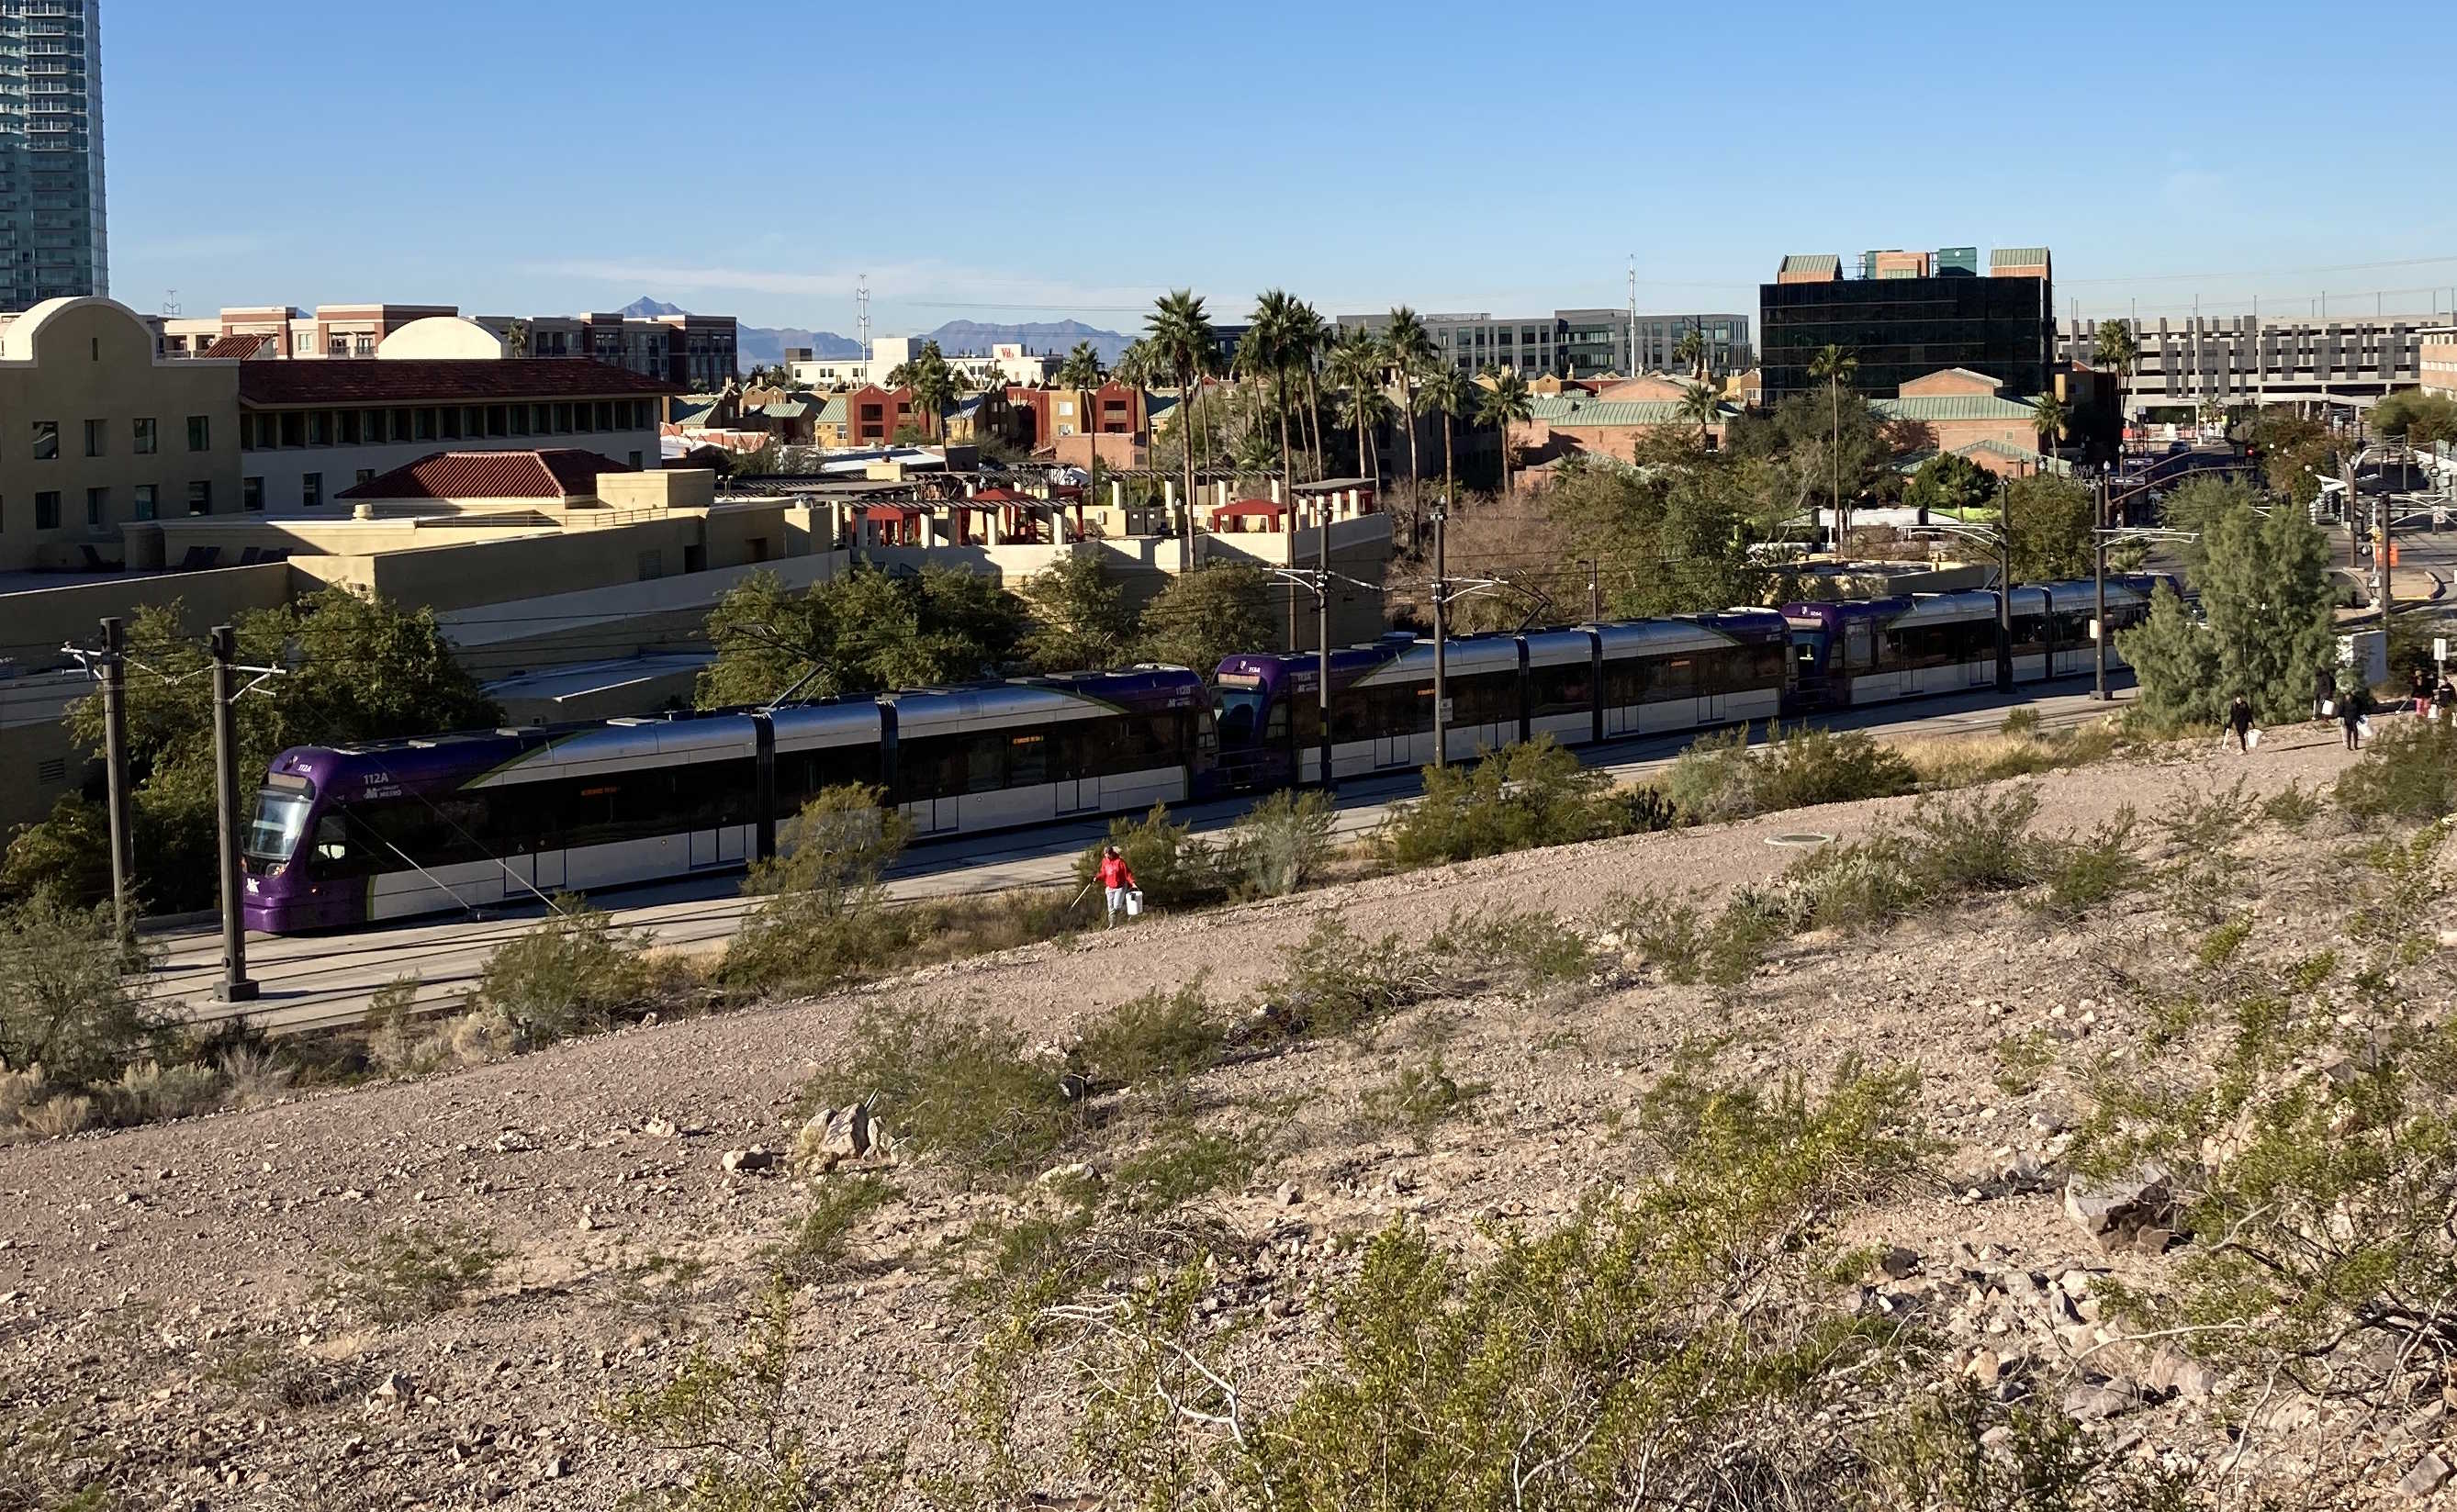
(1308, 338)
(1667, 540)
(2199, 505)
(1206, 614)
(1949, 482)
(1137, 366)
(1800, 440)
(2293, 449)
(2051, 519)
(2267, 626)
(2417, 417)
(1505, 404)
(354, 669)
(1079, 616)
(67, 1002)
(865, 631)
(1835, 367)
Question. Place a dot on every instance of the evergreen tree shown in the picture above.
(865, 631)
(2266, 627)
(2050, 518)
(1206, 614)
(1079, 617)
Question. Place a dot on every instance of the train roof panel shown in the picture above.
(1465, 657)
(1557, 648)
(1648, 637)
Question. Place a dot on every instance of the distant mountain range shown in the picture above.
(762, 346)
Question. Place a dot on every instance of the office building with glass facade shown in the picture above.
(52, 238)
(1577, 344)
(1904, 325)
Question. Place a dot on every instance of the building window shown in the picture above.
(251, 494)
(201, 433)
(520, 420)
(401, 427)
(498, 423)
(46, 509)
(93, 429)
(201, 498)
(348, 420)
(144, 501)
(320, 427)
(98, 507)
(562, 419)
(294, 428)
(636, 462)
(605, 415)
(451, 422)
(46, 439)
(143, 445)
(311, 489)
(425, 429)
(365, 474)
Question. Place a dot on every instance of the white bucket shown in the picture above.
(1134, 902)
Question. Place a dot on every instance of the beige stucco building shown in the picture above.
(96, 432)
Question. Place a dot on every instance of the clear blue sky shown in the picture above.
(1020, 162)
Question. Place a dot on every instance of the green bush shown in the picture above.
(71, 998)
(1335, 982)
(1418, 1097)
(823, 1236)
(1517, 798)
(2409, 773)
(1979, 843)
(1720, 777)
(1281, 843)
(410, 1273)
(2209, 820)
(570, 974)
(955, 1089)
(1172, 867)
(1159, 1036)
(2085, 872)
(828, 920)
(2022, 722)
(1524, 947)
(2293, 806)
(1179, 1164)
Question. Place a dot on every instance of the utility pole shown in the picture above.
(2005, 604)
(235, 987)
(2383, 549)
(1441, 639)
(1594, 593)
(115, 762)
(2099, 611)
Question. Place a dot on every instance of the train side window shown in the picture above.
(332, 839)
(1275, 729)
(1028, 760)
(984, 763)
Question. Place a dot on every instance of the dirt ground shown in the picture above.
(159, 1287)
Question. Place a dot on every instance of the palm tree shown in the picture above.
(1691, 350)
(1355, 365)
(1501, 407)
(1699, 402)
(1449, 392)
(1183, 344)
(1081, 368)
(1136, 366)
(1309, 338)
(1408, 348)
(1273, 340)
(1834, 365)
(932, 380)
(2049, 417)
(2113, 346)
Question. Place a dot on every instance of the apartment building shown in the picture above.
(2251, 359)
(2437, 360)
(1908, 315)
(692, 353)
(1010, 362)
(96, 432)
(1577, 344)
(53, 238)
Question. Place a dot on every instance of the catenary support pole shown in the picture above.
(1322, 631)
(2098, 605)
(115, 763)
(1441, 640)
(236, 985)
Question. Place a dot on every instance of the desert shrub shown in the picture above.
(2082, 872)
(1416, 1097)
(1172, 867)
(70, 1000)
(149, 1092)
(1338, 981)
(2209, 820)
(1626, 1347)
(1524, 947)
(58, 1115)
(409, 1273)
(2408, 773)
(1720, 777)
(1979, 843)
(1683, 947)
(1178, 1163)
(254, 1076)
(827, 919)
(1858, 884)
(955, 1089)
(744, 1448)
(2293, 806)
(1517, 798)
(823, 1234)
(20, 1090)
(1156, 1036)
(2022, 722)
(2021, 1062)
(1958, 1447)
(1281, 843)
(571, 973)
(394, 1044)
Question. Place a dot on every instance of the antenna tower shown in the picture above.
(170, 305)
(1633, 317)
(861, 315)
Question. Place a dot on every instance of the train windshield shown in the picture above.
(1240, 710)
(280, 818)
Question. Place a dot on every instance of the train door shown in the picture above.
(703, 848)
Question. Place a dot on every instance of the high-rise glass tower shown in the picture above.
(52, 231)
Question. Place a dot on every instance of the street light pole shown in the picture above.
(2099, 609)
(1441, 639)
(1322, 631)
(236, 985)
(114, 757)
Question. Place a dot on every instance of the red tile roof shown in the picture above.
(240, 346)
(402, 380)
(561, 472)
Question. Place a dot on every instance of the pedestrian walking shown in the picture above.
(2239, 720)
(2353, 705)
(2444, 701)
(2419, 689)
(1116, 879)
(2324, 692)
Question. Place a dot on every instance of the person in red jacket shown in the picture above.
(1115, 879)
